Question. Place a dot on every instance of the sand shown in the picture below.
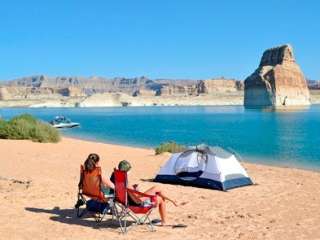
(38, 187)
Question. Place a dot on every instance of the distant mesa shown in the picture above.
(44, 87)
(277, 82)
(144, 92)
(4, 93)
(219, 85)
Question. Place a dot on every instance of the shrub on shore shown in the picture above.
(170, 147)
(27, 127)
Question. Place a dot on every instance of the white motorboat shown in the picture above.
(63, 122)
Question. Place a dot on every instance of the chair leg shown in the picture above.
(97, 217)
(103, 214)
(150, 225)
(135, 218)
(81, 201)
(146, 219)
(121, 214)
(113, 212)
(81, 212)
(125, 224)
(123, 219)
(100, 217)
(118, 215)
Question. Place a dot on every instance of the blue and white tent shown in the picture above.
(205, 167)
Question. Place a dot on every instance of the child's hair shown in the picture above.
(124, 165)
(91, 161)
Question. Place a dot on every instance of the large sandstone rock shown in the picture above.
(278, 81)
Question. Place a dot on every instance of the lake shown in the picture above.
(286, 138)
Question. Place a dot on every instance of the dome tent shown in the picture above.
(203, 166)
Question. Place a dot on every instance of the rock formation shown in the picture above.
(26, 87)
(278, 81)
(71, 92)
(219, 85)
(144, 92)
(178, 90)
(4, 93)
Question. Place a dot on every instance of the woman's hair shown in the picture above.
(91, 161)
(124, 165)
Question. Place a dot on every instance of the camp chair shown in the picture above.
(123, 210)
(90, 192)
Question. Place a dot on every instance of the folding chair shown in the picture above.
(123, 210)
(90, 194)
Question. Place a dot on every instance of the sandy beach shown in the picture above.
(38, 187)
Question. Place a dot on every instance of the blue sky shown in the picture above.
(193, 39)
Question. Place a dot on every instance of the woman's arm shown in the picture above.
(106, 182)
(134, 197)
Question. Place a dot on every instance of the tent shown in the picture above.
(208, 167)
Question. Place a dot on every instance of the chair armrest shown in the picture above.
(140, 193)
(153, 198)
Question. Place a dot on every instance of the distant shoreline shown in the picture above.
(124, 100)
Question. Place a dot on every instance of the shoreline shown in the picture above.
(289, 108)
(133, 147)
(3, 106)
(317, 170)
(124, 100)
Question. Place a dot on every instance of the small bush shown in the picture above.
(170, 147)
(3, 128)
(27, 127)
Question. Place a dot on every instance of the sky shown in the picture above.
(182, 39)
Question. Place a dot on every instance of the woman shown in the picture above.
(90, 164)
(155, 190)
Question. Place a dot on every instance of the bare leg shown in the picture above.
(162, 211)
(156, 190)
(160, 202)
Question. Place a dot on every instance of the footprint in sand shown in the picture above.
(192, 217)
(183, 203)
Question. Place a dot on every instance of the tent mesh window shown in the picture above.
(190, 168)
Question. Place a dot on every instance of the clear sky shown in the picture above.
(193, 39)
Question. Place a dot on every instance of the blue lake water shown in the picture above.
(289, 138)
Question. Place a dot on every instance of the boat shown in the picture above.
(63, 122)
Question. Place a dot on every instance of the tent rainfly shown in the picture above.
(208, 167)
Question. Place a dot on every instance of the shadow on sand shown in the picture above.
(68, 216)
(147, 179)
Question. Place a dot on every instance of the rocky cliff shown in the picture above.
(42, 86)
(219, 85)
(4, 94)
(278, 81)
